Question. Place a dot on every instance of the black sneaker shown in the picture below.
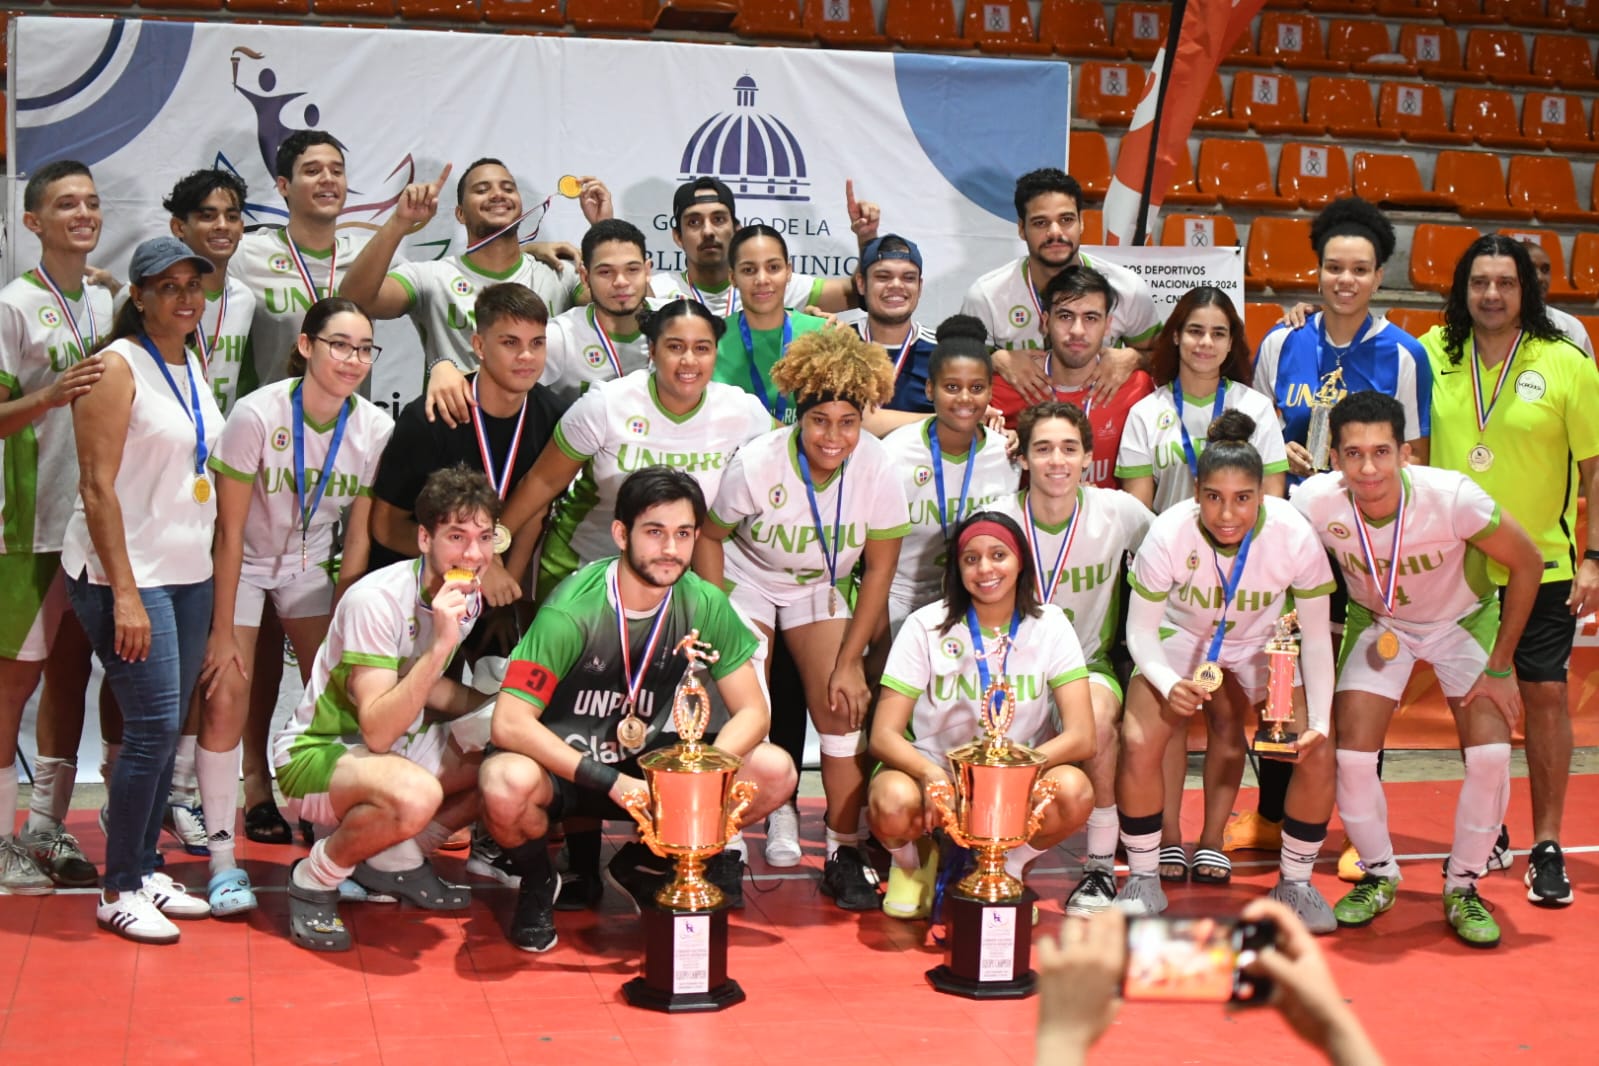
(580, 890)
(852, 884)
(533, 920)
(725, 870)
(637, 873)
(1546, 880)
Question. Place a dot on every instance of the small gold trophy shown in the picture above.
(1282, 651)
(1318, 441)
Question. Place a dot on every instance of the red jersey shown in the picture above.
(1108, 418)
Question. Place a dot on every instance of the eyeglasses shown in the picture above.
(343, 350)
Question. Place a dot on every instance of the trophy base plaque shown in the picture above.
(990, 952)
(685, 962)
(1280, 746)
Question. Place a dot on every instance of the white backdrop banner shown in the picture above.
(1172, 271)
(937, 140)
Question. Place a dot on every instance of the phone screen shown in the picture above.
(1192, 960)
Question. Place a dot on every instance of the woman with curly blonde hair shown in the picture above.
(796, 510)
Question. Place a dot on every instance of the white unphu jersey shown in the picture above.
(229, 370)
(257, 448)
(1152, 443)
(802, 291)
(442, 295)
(1109, 524)
(1442, 576)
(40, 460)
(924, 550)
(265, 263)
(774, 544)
(576, 358)
(618, 427)
(939, 671)
(1571, 326)
(1005, 301)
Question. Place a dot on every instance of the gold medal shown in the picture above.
(569, 187)
(502, 539)
(1480, 458)
(459, 573)
(1208, 676)
(630, 732)
(1388, 646)
(202, 489)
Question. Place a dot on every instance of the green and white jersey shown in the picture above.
(924, 550)
(569, 663)
(257, 448)
(1443, 577)
(618, 427)
(1006, 302)
(381, 622)
(40, 460)
(803, 291)
(939, 671)
(1178, 562)
(1109, 524)
(227, 323)
(774, 544)
(442, 296)
(265, 263)
(1152, 443)
(576, 357)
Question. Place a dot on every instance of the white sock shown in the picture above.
(1143, 853)
(907, 857)
(735, 842)
(109, 753)
(319, 871)
(1016, 862)
(402, 856)
(217, 773)
(8, 800)
(1299, 855)
(431, 838)
(1102, 828)
(1363, 808)
(839, 840)
(53, 780)
(184, 783)
(1478, 813)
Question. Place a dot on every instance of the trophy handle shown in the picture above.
(1043, 795)
(637, 803)
(942, 795)
(742, 795)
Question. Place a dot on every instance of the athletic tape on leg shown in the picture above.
(843, 745)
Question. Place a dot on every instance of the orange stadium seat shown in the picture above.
(1564, 59)
(1328, 7)
(1435, 50)
(771, 20)
(1343, 106)
(1556, 119)
(502, 12)
(1270, 102)
(439, 10)
(1107, 93)
(1259, 320)
(1183, 190)
(1465, 12)
(1501, 56)
(1314, 174)
(1532, 13)
(1077, 28)
(1560, 288)
(1416, 110)
(1090, 162)
(1243, 54)
(1198, 231)
(1488, 116)
(270, 7)
(704, 16)
(1239, 174)
(1093, 226)
(1434, 251)
(1140, 28)
(1213, 113)
(1393, 181)
(1353, 41)
(613, 16)
(923, 24)
(1545, 184)
(1585, 262)
(1414, 320)
(385, 9)
(1477, 185)
(1408, 8)
(1003, 27)
(844, 23)
(160, 5)
(1294, 41)
(1280, 255)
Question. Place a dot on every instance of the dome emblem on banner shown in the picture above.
(756, 154)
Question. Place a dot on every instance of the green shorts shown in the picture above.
(33, 598)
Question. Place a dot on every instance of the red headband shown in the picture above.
(988, 528)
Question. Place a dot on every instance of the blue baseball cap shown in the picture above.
(158, 253)
(876, 251)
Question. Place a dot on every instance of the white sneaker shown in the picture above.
(20, 875)
(187, 824)
(173, 899)
(136, 917)
(782, 837)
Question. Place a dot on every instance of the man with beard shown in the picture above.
(602, 341)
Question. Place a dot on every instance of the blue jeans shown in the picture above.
(154, 696)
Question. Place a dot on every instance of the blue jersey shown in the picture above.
(910, 382)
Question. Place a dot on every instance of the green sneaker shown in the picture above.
(1370, 897)
(1468, 916)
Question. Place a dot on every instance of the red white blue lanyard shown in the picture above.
(1046, 594)
(635, 678)
(66, 310)
(606, 343)
(501, 481)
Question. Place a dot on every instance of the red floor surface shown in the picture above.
(823, 986)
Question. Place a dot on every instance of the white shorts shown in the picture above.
(1455, 652)
(295, 593)
(1245, 665)
(902, 601)
(801, 605)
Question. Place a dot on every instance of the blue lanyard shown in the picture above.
(830, 558)
(1215, 413)
(1229, 585)
(192, 408)
(297, 401)
(938, 475)
(977, 650)
(758, 386)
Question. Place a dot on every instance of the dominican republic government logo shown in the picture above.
(594, 354)
(1193, 560)
(49, 317)
(1339, 530)
(756, 154)
(461, 286)
(1166, 420)
(638, 425)
(280, 438)
(922, 475)
(1020, 316)
(280, 264)
(778, 495)
(952, 648)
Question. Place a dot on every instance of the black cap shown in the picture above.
(701, 191)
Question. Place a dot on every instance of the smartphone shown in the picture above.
(1195, 960)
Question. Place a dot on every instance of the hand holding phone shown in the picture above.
(1196, 960)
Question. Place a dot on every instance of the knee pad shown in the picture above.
(843, 745)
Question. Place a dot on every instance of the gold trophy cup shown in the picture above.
(1282, 651)
(691, 805)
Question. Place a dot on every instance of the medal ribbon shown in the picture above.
(474, 600)
(1032, 294)
(1046, 594)
(1486, 410)
(830, 558)
(192, 408)
(904, 355)
(501, 482)
(477, 246)
(297, 402)
(1215, 413)
(758, 386)
(207, 347)
(304, 268)
(732, 295)
(976, 632)
(938, 475)
(1229, 585)
(605, 342)
(66, 309)
(635, 679)
(1387, 587)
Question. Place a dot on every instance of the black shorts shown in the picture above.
(1544, 653)
(572, 800)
